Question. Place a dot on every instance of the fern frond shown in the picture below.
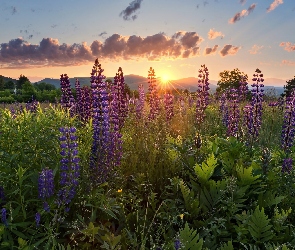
(190, 239)
(205, 171)
(259, 227)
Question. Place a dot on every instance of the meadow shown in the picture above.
(102, 170)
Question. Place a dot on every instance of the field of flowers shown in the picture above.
(104, 170)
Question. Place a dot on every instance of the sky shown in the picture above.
(175, 37)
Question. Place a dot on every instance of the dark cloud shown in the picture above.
(19, 53)
(102, 33)
(241, 14)
(13, 10)
(30, 36)
(242, 1)
(229, 50)
(130, 10)
(210, 51)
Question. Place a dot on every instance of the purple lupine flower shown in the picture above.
(288, 129)
(168, 101)
(4, 217)
(37, 219)
(248, 119)
(121, 97)
(154, 100)
(287, 165)
(69, 169)
(234, 113)
(243, 89)
(256, 103)
(78, 97)
(46, 207)
(140, 102)
(67, 98)
(46, 184)
(224, 108)
(202, 95)
(99, 161)
(85, 104)
(177, 244)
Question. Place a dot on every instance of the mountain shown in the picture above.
(6, 79)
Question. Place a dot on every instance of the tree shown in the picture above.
(44, 86)
(289, 87)
(21, 80)
(9, 85)
(2, 83)
(230, 80)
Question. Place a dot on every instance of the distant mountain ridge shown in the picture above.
(189, 83)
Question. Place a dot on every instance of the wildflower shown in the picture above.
(287, 165)
(154, 100)
(168, 100)
(140, 102)
(37, 219)
(177, 244)
(70, 169)
(181, 216)
(67, 98)
(46, 184)
(119, 190)
(3, 217)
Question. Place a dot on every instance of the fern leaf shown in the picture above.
(269, 199)
(191, 203)
(227, 246)
(245, 176)
(205, 171)
(259, 227)
(190, 239)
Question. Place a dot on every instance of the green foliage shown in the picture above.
(288, 88)
(230, 79)
(190, 239)
(260, 227)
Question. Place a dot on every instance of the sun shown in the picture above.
(165, 78)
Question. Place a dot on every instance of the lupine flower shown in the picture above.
(233, 114)
(69, 169)
(287, 165)
(37, 219)
(224, 108)
(168, 101)
(99, 162)
(177, 244)
(243, 89)
(288, 130)
(78, 97)
(257, 99)
(202, 95)
(140, 102)
(3, 217)
(46, 184)
(119, 82)
(85, 104)
(154, 100)
(67, 98)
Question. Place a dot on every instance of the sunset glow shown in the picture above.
(48, 40)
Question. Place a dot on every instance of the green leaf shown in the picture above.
(245, 175)
(227, 246)
(259, 227)
(190, 239)
(205, 171)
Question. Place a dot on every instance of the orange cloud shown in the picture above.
(19, 53)
(210, 51)
(229, 50)
(289, 63)
(255, 48)
(274, 5)
(213, 34)
(243, 13)
(288, 46)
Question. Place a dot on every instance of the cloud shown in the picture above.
(243, 13)
(242, 1)
(210, 51)
(289, 63)
(213, 34)
(132, 8)
(13, 10)
(288, 46)
(229, 50)
(274, 5)
(255, 48)
(49, 52)
(102, 33)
